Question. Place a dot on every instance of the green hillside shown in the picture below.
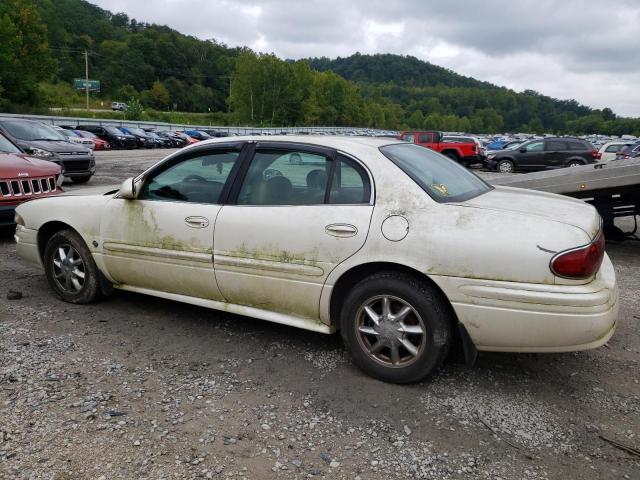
(42, 45)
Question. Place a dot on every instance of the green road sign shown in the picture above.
(80, 84)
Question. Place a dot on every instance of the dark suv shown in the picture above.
(544, 154)
(42, 141)
(115, 137)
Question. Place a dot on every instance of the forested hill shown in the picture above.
(42, 46)
(406, 71)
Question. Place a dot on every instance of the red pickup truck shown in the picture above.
(463, 150)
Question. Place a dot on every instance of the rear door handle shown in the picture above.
(197, 222)
(341, 230)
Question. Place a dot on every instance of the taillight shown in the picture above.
(581, 262)
(595, 154)
(473, 148)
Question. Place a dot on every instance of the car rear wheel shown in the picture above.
(396, 327)
(505, 166)
(452, 155)
(575, 163)
(70, 269)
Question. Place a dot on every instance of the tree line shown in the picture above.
(42, 45)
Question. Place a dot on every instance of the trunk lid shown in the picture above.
(533, 203)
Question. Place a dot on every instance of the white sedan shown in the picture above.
(401, 249)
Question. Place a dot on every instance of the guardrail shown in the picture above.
(56, 120)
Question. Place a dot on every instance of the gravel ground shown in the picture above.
(140, 387)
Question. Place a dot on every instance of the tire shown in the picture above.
(575, 163)
(428, 319)
(83, 179)
(452, 155)
(505, 166)
(66, 279)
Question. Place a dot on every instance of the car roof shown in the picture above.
(347, 144)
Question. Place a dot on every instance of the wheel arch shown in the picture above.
(48, 230)
(453, 151)
(348, 279)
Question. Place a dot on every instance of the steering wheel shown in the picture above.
(194, 178)
(270, 173)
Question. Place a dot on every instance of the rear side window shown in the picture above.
(350, 183)
(555, 146)
(408, 137)
(580, 146)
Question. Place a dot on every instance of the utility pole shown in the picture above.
(86, 76)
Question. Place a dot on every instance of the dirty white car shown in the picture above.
(402, 250)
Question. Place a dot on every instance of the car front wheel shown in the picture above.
(70, 269)
(397, 328)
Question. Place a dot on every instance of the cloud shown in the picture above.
(587, 50)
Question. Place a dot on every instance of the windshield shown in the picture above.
(7, 146)
(85, 134)
(442, 178)
(114, 131)
(32, 131)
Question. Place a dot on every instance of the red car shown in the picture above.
(464, 151)
(23, 178)
(98, 143)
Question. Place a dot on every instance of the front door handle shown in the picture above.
(341, 230)
(197, 222)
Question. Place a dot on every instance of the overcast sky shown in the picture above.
(583, 49)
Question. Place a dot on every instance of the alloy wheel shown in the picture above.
(390, 331)
(68, 268)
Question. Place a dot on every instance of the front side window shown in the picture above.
(199, 179)
(425, 138)
(440, 177)
(408, 137)
(534, 147)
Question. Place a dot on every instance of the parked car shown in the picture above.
(42, 141)
(98, 143)
(198, 135)
(163, 142)
(544, 154)
(75, 138)
(489, 154)
(465, 152)
(112, 135)
(628, 151)
(609, 150)
(23, 178)
(459, 139)
(119, 106)
(187, 138)
(176, 140)
(395, 245)
(144, 140)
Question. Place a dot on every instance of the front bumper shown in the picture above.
(27, 244)
(517, 317)
(7, 214)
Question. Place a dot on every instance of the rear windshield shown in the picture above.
(442, 178)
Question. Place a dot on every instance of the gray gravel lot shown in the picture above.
(140, 387)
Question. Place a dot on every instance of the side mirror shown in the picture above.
(128, 189)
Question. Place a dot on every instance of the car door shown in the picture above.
(555, 153)
(531, 156)
(163, 239)
(297, 212)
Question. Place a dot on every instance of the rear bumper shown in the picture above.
(516, 317)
